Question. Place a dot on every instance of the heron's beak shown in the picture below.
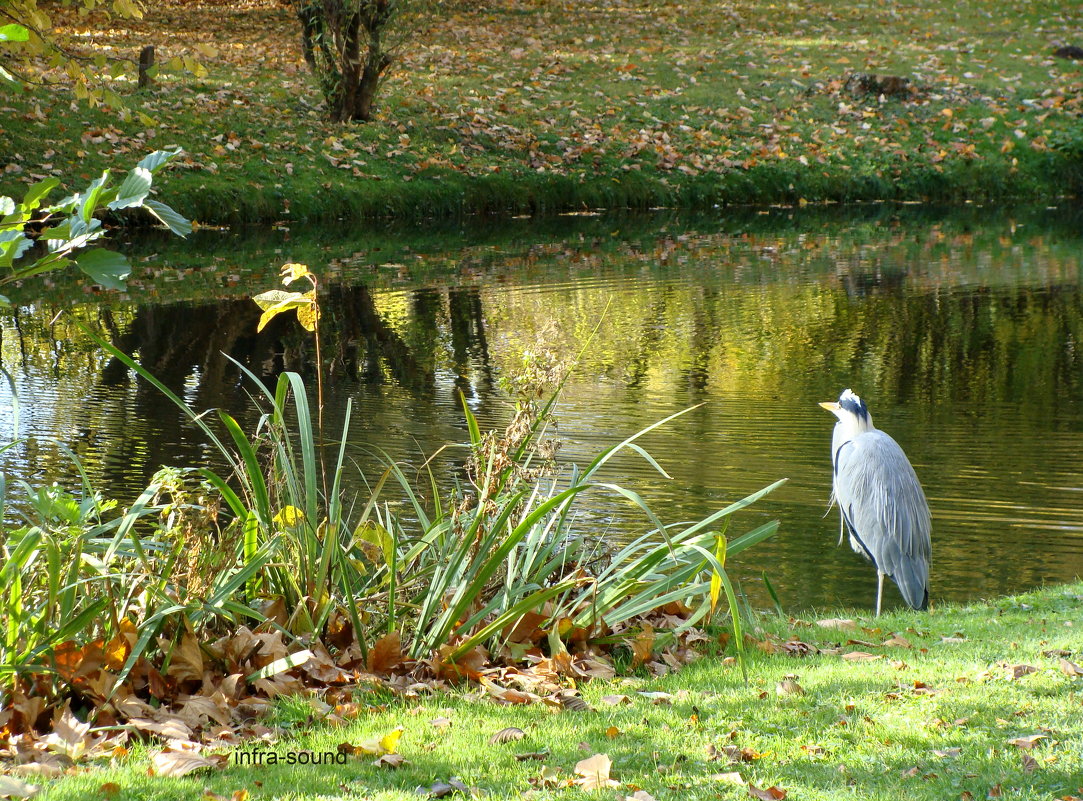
(831, 406)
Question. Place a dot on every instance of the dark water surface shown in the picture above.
(961, 330)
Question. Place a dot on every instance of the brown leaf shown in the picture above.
(615, 700)
(186, 661)
(897, 641)
(789, 687)
(440, 789)
(640, 795)
(173, 762)
(390, 761)
(1070, 668)
(538, 755)
(441, 723)
(507, 695)
(1027, 743)
(1018, 671)
(612, 732)
(507, 735)
(947, 753)
(594, 772)
(1030, 764)
(861, 656)
(658, 698)
(385, 654)
(770, 794)
(643, 646)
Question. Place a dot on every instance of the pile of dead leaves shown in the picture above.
(204, 696)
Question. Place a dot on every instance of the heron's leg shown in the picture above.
(879, 590)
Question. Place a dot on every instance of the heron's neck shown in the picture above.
(846, 430)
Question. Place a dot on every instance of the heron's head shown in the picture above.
(851, 411)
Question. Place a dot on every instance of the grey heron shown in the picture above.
(883, 506)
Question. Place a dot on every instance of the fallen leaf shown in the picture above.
(615, 700)
(770, 794)
(536, 755)
(612, 732)
(385, 654)
(789, 687)
(947, 753)
(642, 647)
(173, 762)
(861, 656)
(1030, 764)
(658, 697)
(594, 772)
(837, 623)
(453, 785)
(1027, 743)
(639, 795)
(11, 787)
(507, 735)
(440, 723)
(728, 778)
(390, 761)
(1070, 668)
(1018, 671)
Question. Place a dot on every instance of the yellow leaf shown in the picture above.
(308, 315)
(292, 271)
(289, 516)
(390, 741)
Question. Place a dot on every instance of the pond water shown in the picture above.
(961, 330)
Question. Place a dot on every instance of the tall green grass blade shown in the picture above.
(773, 595)
(253, 472)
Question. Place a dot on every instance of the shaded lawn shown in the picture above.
(520, 106)
(947, 717)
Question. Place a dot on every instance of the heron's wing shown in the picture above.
(885, 507)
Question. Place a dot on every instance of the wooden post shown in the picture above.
(146, 61)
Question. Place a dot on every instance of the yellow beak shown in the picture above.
(831, 406)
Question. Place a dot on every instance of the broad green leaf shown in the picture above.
(106, 267)
(37, 193)
(133, 191)
(91, 197)
(157, 159)
(14, 33)
(13, 244)
(377, 538)
(172, 220)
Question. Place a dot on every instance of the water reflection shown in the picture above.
(962, 337)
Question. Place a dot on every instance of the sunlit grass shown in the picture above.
(935, 720)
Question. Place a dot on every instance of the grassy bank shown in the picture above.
(521, 107)
(966, 702)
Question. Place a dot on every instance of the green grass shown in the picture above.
(523, 107)
(886, 728)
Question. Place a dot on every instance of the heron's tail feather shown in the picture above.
(912, 579)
